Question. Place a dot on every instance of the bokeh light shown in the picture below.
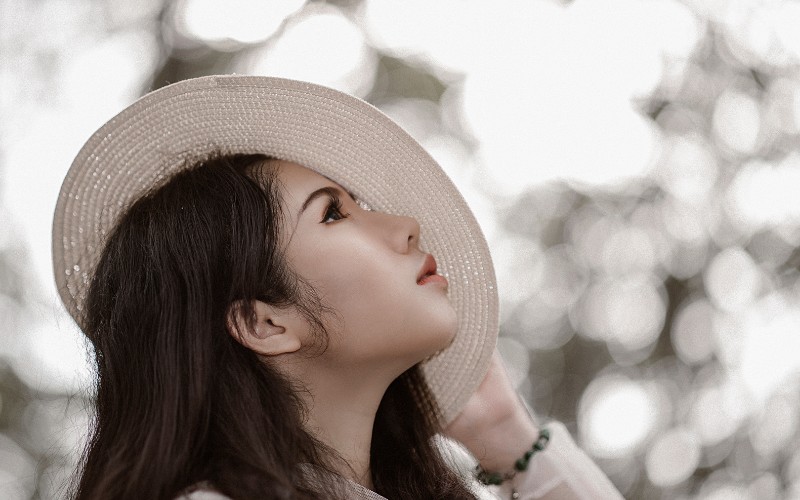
(737, 121)
(692, 332)
(322, 46)
(243, 21)
(616, 416)
(673, 457)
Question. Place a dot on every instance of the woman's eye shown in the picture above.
(333, 212)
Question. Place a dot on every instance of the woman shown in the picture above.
(260, 267)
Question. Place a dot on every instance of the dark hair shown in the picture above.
(178, 399)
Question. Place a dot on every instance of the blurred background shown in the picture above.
(634, 165)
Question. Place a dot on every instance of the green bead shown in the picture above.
(495, 478)
(544, 438)
(489, 478)
(544, 433)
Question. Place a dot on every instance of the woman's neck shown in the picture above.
(346, 427)
(342, 405)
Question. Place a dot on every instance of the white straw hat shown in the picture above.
(338, 135)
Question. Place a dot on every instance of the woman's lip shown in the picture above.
(433, 278)
(428, 267)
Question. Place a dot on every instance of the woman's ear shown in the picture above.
(271, 332)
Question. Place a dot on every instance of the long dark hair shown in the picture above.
(178, 399)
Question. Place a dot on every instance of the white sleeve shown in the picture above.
(562, 470)
(201, 491)
(203, 495)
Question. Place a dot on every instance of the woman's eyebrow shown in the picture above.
(331, 191)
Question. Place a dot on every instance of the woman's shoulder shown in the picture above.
(201, 491)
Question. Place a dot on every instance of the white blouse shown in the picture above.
(562, 466)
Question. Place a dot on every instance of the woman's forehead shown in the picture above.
(300, 181)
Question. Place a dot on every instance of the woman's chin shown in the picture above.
(445, 335)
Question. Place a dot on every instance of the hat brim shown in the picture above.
(338, 135)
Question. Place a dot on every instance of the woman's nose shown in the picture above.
(403, 232)
(412, 241)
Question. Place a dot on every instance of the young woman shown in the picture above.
(288, 298)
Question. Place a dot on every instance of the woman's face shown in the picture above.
(364, 265)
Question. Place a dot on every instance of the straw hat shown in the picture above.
(338, 135)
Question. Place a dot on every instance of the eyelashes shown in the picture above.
(333, 211)
(334, 208)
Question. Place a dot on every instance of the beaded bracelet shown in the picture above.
(494, 478)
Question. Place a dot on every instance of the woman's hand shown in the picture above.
(495, 425)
